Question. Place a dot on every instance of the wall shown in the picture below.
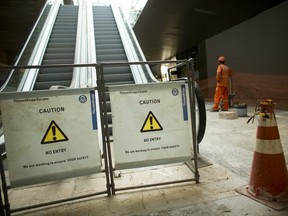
(257, 52)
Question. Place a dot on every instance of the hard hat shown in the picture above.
(221, 59)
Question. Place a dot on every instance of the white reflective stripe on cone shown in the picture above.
(268, 146)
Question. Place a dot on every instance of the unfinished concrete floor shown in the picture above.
(226, 154)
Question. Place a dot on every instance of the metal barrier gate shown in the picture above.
(127, 90)
(58, 129)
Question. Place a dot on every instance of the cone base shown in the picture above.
(276, 205)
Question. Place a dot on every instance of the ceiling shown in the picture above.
(164, 27)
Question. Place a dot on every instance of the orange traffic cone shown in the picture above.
(269, 176)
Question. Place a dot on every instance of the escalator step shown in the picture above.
(112, 57)
(47, 85)
(56, 70)
(118, 78)
(107, 41)
(117, 70)
(57, 61)
(60, 45)
(120, 83)
(108, 37)
(65, 35)
(62, 40)
(54, 77)
(109, 46)
(69, 50)
(57, 55)
(105, 25)
(110, 51)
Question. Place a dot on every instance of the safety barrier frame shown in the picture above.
(102, 88)
(190, 81)
(5, 208)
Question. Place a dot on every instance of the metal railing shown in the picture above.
(106, 139)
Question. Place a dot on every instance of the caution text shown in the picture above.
(55, 151)
(52, 110)
(152, 139)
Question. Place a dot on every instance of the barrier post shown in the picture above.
(191, 84)
(105, 130)
(5, 206)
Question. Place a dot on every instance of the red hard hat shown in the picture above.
(221, 58)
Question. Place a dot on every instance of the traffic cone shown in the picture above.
(269, 176)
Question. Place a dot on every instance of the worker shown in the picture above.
(223, 74)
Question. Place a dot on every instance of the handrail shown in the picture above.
(141, 57)
(92, 78)
(29, 77)
(84, 46)
(137, 71)
(172, 67)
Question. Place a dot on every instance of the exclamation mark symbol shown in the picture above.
(54, 132)
(151, 122)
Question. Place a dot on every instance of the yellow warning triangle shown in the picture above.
(54, 134)
(151, 124)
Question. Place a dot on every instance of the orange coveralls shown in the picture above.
(222, 77)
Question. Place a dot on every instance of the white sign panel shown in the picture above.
(50, 135)
(151, 124)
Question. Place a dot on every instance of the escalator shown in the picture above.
(109, 46)
(60, 50)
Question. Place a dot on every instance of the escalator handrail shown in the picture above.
(29, 77)
(92, 78)
(137, 70)
(141, 57)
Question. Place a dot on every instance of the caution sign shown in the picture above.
(54, 134)
(151, 124)
(158, 138)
